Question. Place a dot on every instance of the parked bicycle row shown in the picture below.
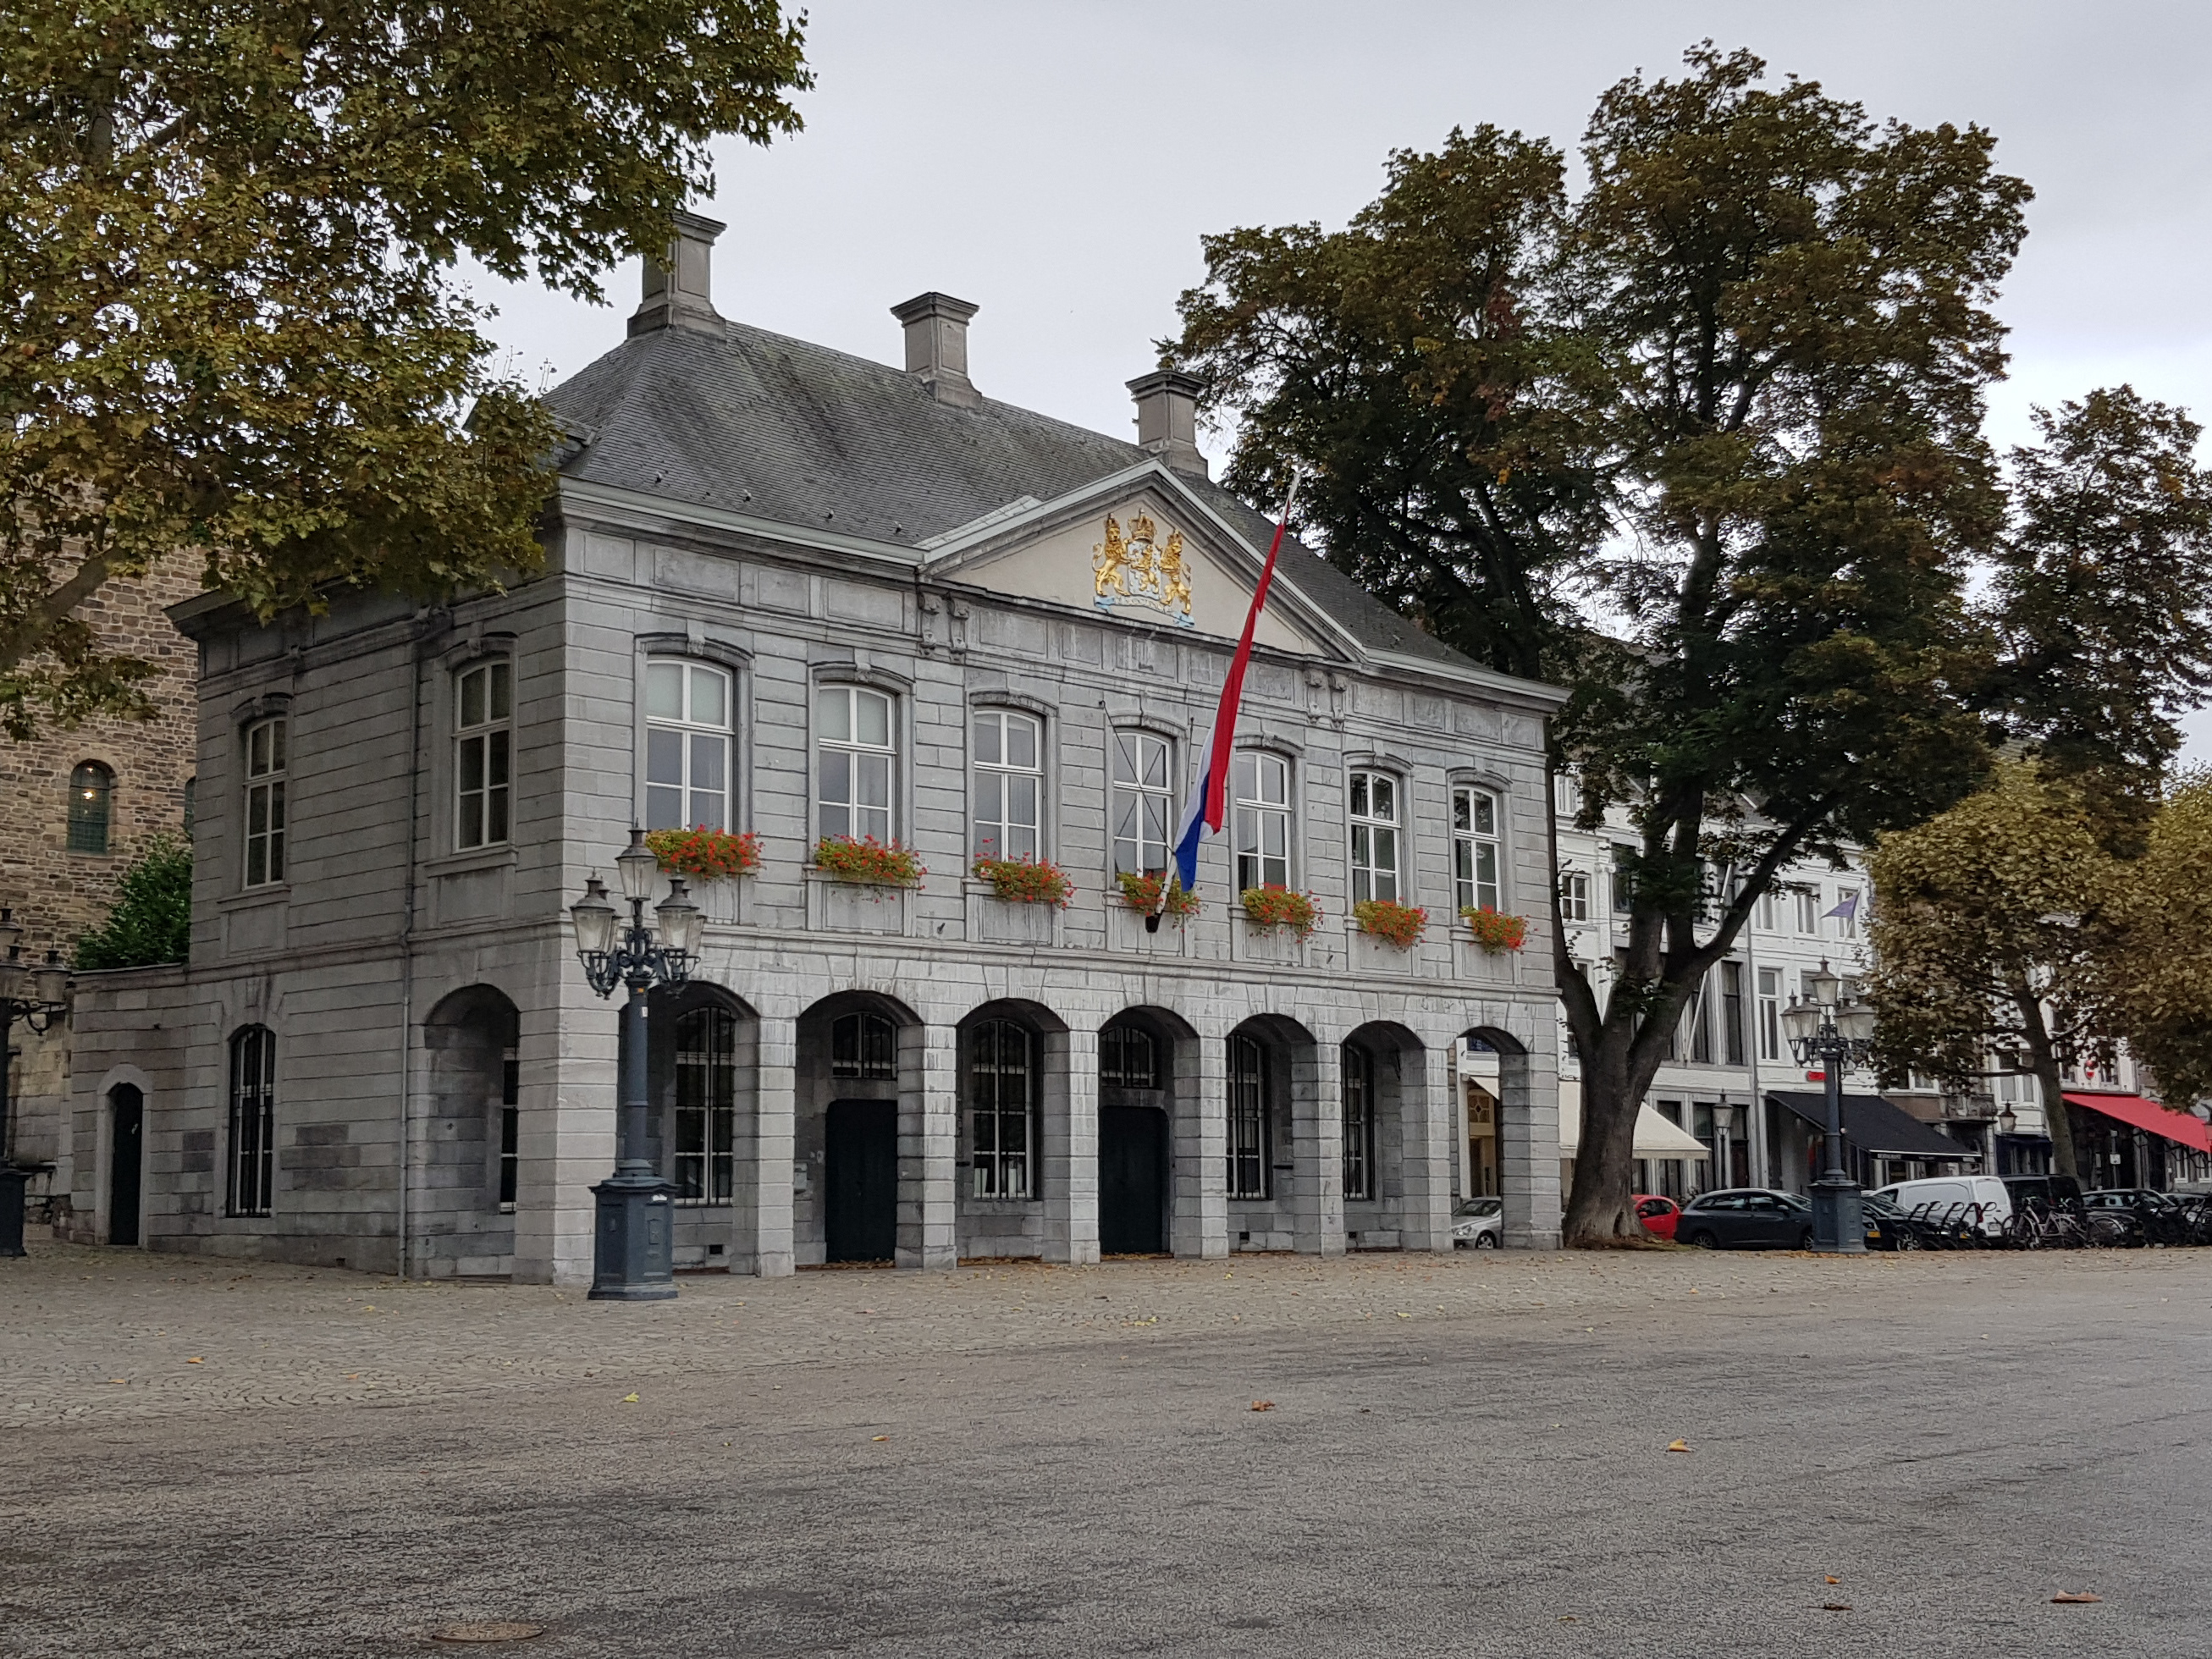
(1958, 1212)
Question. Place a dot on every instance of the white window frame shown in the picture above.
(1770, 1014)
(1846, 927)
(267, 767)
(689, 745)
(1001, 824)
(1374, 801)
(837, 748)
(1808, 912)
(1254, 812)
(1141, 801)
(1474, 848)
(1574, 895)
(484, 755)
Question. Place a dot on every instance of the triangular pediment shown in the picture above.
(1139, 549)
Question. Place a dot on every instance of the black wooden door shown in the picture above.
(126, 1162)
(1133, 1180)
(860, 1180)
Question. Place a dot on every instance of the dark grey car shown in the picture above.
(1745, 1218)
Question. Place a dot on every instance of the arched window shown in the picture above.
(1375, 824)
(1262, 788)
(1008, 785)
(704, 1166)
(687, 746)
(1143, 803)
(1128, 1058)
(1001, 1106)
(484, 753)
(252, 1161)
(264, 803)
(864, 1046)
(91, 787)
(1249, 1175)
(1476, 859)
(855, 762)
(1358, 1074)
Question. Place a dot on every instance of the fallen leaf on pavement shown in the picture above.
(1678, 1445)
(630, 1399)
(196, 1361)
(1835, 1606)
(880, 1438)
(2076, 1597)
(1263, 1405)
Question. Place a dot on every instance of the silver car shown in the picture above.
(1478, 1224)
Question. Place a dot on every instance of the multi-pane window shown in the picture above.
(1769, 911)
(510, 1129)
(1008, 786)
(1575, 896)
(1000, 1109)
(484, 753)
(853, 762)
(1248, 1172)
(251, 1164)
(264, 803)
(1141, 802)
(1847, 922)
(91, 788)
(1732, 1012)
(1809, 910)
(1375, 826)
(1261, 785)
(1128, 1058)
(1476, 859)
(1358, 1074)
(703, 1166)
(1770, 1014)
(864, 1046)
(1567, 794)
(1624, 878)
(687, 746)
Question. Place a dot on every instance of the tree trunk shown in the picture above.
(2049, 1080)
(1601, 1209)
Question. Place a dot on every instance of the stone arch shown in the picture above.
(1151, 1133)
(464, 1171)
(1016, 1136)
(1280, 1151)
(702, 1093)
(1524, 1150)
(859, 1082)
(1383, 1072)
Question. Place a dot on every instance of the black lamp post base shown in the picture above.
(634, 1247)
(1838, 1224)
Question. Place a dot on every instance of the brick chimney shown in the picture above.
(1167, 418)
(937, 345)
(678, 293)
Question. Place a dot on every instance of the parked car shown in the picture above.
(2152, 1218)
(1746, 1218)
(1478, 1224)
(1657, 1214)
(1888, 1227)
(1953, 1198)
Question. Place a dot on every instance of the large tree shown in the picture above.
(2158, 945)
(229, 325)
(1729, 400)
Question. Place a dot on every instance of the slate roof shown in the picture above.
(778, 429)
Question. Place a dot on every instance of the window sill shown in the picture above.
(247, 898)
(476, 857)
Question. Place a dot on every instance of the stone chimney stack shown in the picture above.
(678, 290)
(1167, 418)
(937, 345)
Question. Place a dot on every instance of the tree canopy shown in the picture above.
(229, 325)
(2158, 968)
(151, 920)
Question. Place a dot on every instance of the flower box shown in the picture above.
(1025, 881)
(1281, 908)
(1496, 932)
(1401, 924)
(868, 860)
(704, 854)
(1142, 895)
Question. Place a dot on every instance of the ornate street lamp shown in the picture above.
(1825, 1030)
(37, 996)
(633, 1257)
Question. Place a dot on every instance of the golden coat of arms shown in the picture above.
(1141, 570)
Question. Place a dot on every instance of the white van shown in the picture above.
(1940, 1193)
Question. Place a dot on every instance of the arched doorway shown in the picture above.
(702, 1071)
(1136, 1069)
(858, 1084)
(1013, 1144)
(1382, 1072)
(126, 1161)
(1272, 1083)
(467, 1178)
(1494, 1078)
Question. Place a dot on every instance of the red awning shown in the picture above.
(2137, 1113)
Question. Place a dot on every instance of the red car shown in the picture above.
(1658, 1214)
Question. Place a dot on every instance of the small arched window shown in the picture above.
(252, 1162)
(91, 789)
(687, 746)
(705, 1163)
(864, 1046)
(1001, 1104)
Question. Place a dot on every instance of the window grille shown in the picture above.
(687, 746)
(1142, 803)
(1250, 1171)
(1008, 784)
(704, 1163)
(1002, 1107)
(864, 1046)
(854, 758)
(1375, 825)
(252, 1162)
(1128, 1058)
(1261, 784)
(91, 793)
(1475, 857)
(510, 1129)
(264, 803)
(1357, 1069)
(484, 749)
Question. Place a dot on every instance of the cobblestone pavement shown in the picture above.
(1461, 1455)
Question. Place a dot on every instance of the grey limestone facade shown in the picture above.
(812, 594)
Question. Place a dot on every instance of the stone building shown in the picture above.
(802, 594)
(77, 804)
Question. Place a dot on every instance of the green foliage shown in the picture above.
(2158, 967)
(228, 322)
(151, 920)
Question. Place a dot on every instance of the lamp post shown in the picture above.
(1825, 1028)
(633, 1252)
(37, 996)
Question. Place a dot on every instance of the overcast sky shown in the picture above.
(1057, 164)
